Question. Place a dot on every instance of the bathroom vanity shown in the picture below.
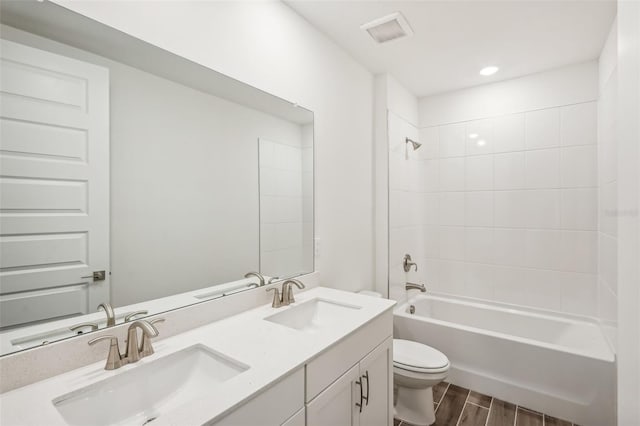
(325, 359)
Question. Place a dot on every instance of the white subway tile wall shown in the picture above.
(286, 206)
(506, 208)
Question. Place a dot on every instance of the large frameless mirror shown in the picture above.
(136, 180)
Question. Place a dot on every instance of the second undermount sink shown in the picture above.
(145, 392)
(314, 314)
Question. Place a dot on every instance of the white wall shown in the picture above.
(513, 220)
(267, 45)
(176, 223)
(608, 187)
(562, 86)
(628, 137)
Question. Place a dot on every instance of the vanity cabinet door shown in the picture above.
(296, 420)
(376, 375)
(336, 405)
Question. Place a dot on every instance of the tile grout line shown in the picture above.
(441, 398)
(478, 405)
(444, 393)
(494, 116)
(463, 406)
(486, 423)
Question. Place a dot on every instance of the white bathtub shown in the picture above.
(560, 365)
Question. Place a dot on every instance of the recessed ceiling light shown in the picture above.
(473, 135)
(481, 142)
(489, 70)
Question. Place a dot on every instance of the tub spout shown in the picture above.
(414, 286)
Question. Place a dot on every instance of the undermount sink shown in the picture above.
(145, 392)
(314, 314)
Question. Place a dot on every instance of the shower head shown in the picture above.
(415, 144)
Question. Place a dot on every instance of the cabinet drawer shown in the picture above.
(335, 361)
(273, 407)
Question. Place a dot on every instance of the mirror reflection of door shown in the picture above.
(54, 217)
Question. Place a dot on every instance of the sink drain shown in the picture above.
(149, 420)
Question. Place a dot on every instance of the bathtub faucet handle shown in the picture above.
(407, 263)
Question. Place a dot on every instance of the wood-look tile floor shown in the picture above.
(457, 406)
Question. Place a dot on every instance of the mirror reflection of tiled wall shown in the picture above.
(286, 205)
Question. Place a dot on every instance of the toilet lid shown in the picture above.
(415, 356)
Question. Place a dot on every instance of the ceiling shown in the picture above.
(453, 40)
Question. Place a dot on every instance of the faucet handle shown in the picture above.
(146, 348)
(156, 320)
(79, 327)
(114, 359)
(130, 316)
(277, 299)
(407, 263)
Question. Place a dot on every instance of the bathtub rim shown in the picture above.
(402, 310)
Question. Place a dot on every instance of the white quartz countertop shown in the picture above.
(270, 350)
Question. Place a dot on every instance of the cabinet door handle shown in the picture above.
(366, 398)
(359, 404)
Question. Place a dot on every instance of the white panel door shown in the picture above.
(376, 372)
(336, 405)
(54, 185)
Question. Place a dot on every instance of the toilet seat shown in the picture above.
(418, 358)
(412, 369)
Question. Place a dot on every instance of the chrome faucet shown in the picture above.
(134, 351)
(111, 316)
(277, 298)
(414, 286)
(287, 291)
(407, 264)
(258, 275)
(114, 359)
(285, 297)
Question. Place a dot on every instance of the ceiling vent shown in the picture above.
(387, 28)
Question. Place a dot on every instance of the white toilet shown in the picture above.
(416, 369)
